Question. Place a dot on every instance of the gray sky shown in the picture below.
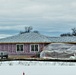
(50, 17)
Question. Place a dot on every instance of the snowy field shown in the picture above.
(37, 68)
(36, 63)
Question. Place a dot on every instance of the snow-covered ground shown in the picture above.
(36, 63)
(37, 68)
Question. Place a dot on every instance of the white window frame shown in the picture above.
(34, 49)
(19, 44)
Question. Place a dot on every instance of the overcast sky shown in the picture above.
(49, 17)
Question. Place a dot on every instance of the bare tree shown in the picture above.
(74, 31)
(27, 30)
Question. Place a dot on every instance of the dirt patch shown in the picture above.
(18, 57)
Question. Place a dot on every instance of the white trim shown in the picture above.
(34, 49)
(19, 44)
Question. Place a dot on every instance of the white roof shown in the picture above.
(63, 39)
(31, 37)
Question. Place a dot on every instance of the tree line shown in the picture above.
(73, 33)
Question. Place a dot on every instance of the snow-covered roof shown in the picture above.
(31, 37)
(63, 39)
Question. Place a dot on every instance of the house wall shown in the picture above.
(11, 48)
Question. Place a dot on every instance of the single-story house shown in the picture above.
(30, 43)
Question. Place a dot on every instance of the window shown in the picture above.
(34, 47)
(19, 47)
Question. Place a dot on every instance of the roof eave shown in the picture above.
(22, 42)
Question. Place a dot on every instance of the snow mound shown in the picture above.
(58, 50)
